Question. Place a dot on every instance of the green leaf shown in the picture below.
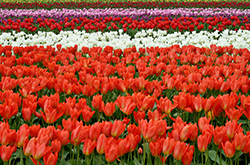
(16, 154)
(63, 162)
(136, 161)
(242, 121)
(131, 163)
(212, 155)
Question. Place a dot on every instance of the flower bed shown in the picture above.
(108, 86)
(120, 102)
(130, 26)
(126, 4)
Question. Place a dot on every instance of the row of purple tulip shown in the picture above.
(139, 14)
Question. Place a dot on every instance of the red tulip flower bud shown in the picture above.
(140, 151)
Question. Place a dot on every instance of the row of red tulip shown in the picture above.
(233, 69)
(138, 104)
(37, 142)
(126, 23)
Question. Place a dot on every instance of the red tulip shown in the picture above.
(7, 136)
(27, 146)
(79, 134)
(185, 132)
(148, 130)
(69, 124)
(123, 147)
(219, 133)
(8, 109)
(6, 152)
(234, 114)
(202, 122)
(109, 109)
(194, 132)
(197, 103)
(50, 158)
(88, 147)
(203, 141)
(26, 113)
(156, 115)
(240, 141)
(133, 129)
(165, 105)
(39, 150)
(168, 146)
(117, 128)
(56, 146)
(63, 136)
(188, 156)
(139, 115)
(231, 128)
(180, 149)
(156, 147)
(95, 131)
(22, 135)
(106, 129)
(111, 152)
(101, 143)
(134, 140)
(87, 115)
(229, 149)
(246, 148)
(97, 103)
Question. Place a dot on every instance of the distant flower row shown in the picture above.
(73, 5)
(121, 40)
(128, 25)
(134, 13)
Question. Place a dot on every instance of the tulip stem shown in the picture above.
(27, 160)
(10, 160)
(87, 160)
(37, 162)
(202, 158)
(168, 119)
(100, 159)
(231, 162)
(236, 157)
(21, 155)
(98, 115)
(144, 152)
(220, 157)
(245, 159)
(78, 152)
(130, 154)
(129, 157)
(73, 155)
(5, 163)
(216, 156)
(206, 161)
(62, 153)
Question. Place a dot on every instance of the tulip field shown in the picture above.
(124, 83)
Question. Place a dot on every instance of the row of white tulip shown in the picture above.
(119, 39)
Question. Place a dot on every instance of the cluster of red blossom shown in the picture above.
(119, 101)
(107, 24)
